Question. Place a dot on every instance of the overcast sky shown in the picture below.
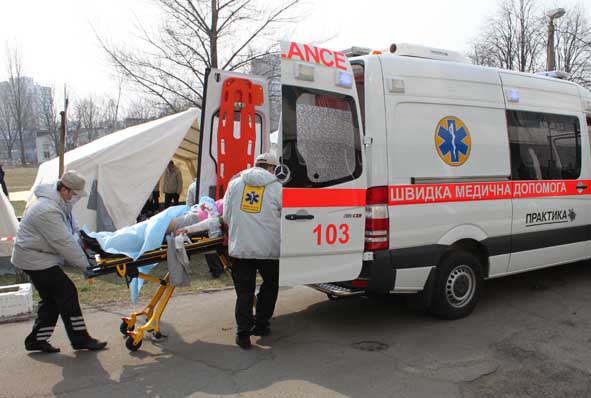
(58, 44)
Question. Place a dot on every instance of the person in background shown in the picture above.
(2, 182)
(44, 242)
(173, 185)
(155, 199)
(192, 194)
(252, 211)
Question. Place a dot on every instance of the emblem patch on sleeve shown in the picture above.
(252, 199)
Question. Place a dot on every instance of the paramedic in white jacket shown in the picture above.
(45, 241)
(252, 211)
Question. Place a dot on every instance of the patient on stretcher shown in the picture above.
(202, 217)
(134, 240)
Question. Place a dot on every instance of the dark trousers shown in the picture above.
(244, 273)
(155, 201)
(169, 198)
(59, 297)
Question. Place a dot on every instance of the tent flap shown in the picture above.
(128, 164)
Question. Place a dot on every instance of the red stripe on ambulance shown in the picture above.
(463, 192)
(319, 197)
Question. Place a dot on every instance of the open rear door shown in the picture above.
(234, 128)
(323, 216)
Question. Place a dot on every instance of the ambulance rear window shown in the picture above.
(321, 143)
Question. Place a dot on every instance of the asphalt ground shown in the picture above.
(529, 336)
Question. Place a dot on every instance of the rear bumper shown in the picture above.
(386, 271)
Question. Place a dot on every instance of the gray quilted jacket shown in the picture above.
(45, 236)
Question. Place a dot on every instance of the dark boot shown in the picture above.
(42, 346)
(261, 330)
(243, 341)
(89, 343)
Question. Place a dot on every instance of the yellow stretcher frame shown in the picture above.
(126, 267)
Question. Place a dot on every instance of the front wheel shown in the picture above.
(129, 343)
(457, 286)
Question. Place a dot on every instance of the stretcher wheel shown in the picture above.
(123, 328)
(131, 346)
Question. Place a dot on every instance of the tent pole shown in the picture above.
(63, 117)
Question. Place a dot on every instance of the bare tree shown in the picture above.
(89, 114)
(573, 45)
(19, 97)
(8, 131)
(142, 109)
(112, 107)
(195, 35)
(513, 38)
(49, 117)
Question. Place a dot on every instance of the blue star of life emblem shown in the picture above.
(252, 198)
(452, 141)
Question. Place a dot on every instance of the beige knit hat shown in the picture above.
(73, 180)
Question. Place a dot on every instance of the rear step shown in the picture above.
(333, 290)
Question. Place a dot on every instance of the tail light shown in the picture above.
(377, 223)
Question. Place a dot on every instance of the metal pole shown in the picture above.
(62, 142)
(63, 117)
(550, 63)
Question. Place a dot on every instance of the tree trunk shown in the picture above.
(214, 34)
(22, 145)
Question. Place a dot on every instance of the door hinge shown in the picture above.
(367, 140)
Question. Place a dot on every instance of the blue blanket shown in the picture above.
(135, 240)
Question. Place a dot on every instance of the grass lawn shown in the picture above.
(19, 178)
(19, 207)
(111, 290)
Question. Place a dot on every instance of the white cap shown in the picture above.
(267, 158)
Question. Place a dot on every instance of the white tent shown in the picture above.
(125, 166)
(8, 221)
(8, 225)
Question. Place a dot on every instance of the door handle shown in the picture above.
(292, 217)
(581, 186)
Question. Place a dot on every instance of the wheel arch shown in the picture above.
(467, 237)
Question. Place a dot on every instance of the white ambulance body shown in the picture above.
(427, 176)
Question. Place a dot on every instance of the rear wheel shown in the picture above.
(457, 286)
(124, 329)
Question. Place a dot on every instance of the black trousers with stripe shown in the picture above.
(59, 297)
(244, 272)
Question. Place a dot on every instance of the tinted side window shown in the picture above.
(321, 143)
(544, 146)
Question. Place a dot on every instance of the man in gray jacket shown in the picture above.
(252, 211)
(44, 241)
(172, 185)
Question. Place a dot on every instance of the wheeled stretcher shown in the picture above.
(125, 267)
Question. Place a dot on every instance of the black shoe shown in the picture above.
(243, 342)
(90, 344)
(42, 346)
(261, 331)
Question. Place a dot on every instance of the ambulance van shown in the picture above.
(411, 171)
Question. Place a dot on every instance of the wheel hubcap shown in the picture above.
(460, 286)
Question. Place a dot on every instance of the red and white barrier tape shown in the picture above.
(8, 239)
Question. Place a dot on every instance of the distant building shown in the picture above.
(32, 98)
(45, 147)
(270, 66)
